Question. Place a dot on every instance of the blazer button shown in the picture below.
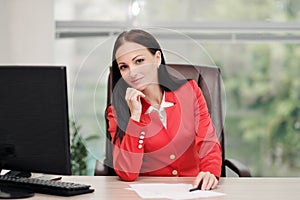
(142, 137)
(142, 133)
(174, 172)
(140, 146)
(172, 156)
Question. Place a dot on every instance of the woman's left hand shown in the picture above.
(205, 181)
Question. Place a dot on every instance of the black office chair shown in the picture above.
(209, 80)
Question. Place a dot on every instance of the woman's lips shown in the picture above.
(136, 80)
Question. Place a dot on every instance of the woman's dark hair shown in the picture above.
(119, 86)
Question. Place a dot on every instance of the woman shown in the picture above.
(159, 125)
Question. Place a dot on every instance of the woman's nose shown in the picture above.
(132, 71)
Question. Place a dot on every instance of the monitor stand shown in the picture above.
(14, 193)
(19, 174)
(7, 192)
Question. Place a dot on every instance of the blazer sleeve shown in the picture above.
(208, 146)
(128, 154)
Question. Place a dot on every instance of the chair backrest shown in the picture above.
(208, 79)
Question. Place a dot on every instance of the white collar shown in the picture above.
(161, 111)
(162, 106)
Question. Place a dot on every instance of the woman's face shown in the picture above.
(137, 65)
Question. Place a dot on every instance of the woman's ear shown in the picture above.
(157, 57)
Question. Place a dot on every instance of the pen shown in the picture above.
(193, 189)
(197, 188)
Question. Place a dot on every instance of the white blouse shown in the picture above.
(161, 111)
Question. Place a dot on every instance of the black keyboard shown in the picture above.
(45, 186)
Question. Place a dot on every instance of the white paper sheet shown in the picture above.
(171, 191)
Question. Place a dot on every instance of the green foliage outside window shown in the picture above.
(78, 151)
(267, 99)
(263, 95)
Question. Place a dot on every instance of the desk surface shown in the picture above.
(111, 188)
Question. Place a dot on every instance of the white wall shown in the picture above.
(27, 31)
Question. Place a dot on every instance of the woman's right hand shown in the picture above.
(133, 98)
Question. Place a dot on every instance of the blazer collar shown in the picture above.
(169, 100)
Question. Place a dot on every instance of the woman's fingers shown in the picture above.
(133, 98)
(211, 182)
(205, 181)
(215, 183)
(198, 180)
(133, 94)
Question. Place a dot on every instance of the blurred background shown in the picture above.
(255, 44)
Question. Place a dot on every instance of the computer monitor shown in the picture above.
(34, 123)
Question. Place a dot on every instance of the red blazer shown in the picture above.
(188, 146)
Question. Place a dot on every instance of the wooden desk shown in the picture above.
(235, 188)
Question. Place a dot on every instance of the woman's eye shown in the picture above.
(122, 67)
(138, 61)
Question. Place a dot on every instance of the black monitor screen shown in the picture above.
(34, 124)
